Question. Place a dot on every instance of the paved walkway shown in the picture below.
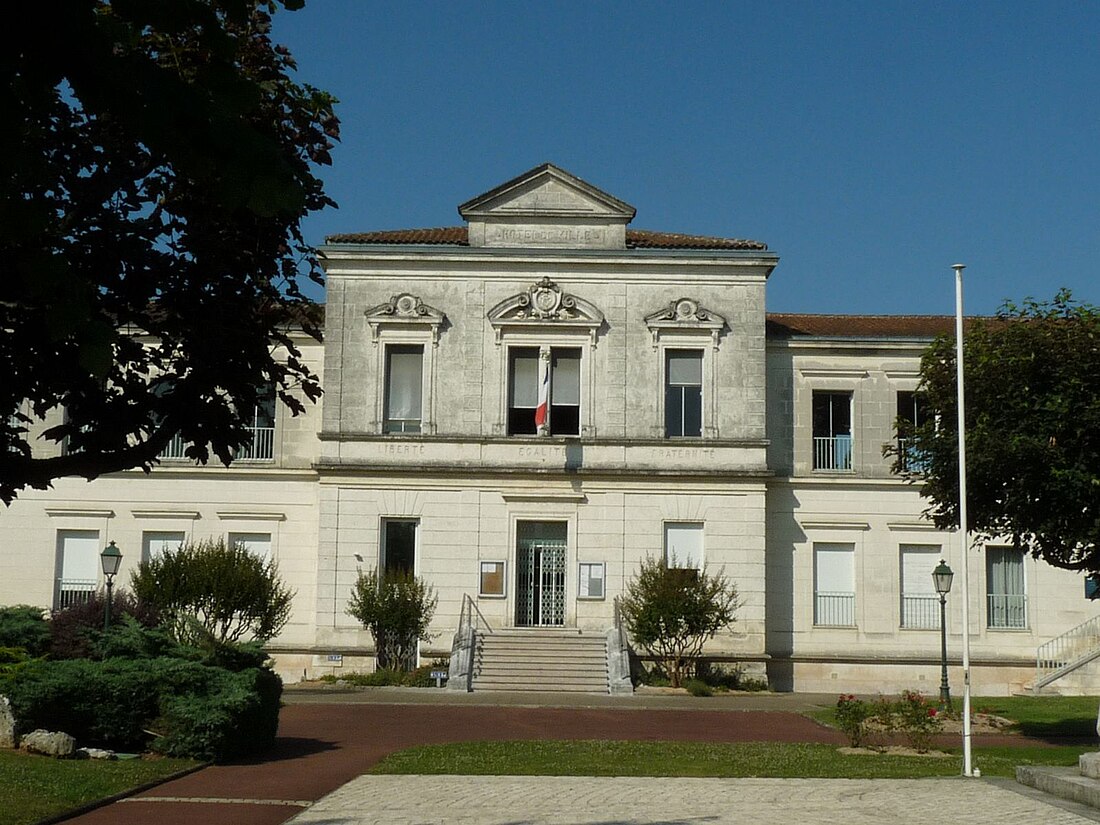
(505, 800)
(328, 740)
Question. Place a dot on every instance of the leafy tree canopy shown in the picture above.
(156, 162)
(1032, 377)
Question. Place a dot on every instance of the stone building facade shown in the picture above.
(523, 408)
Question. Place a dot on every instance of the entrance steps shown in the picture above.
(555, 660)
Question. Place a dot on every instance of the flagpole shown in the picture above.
(963, 533)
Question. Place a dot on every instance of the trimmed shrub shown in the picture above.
(672, 612)
(396, 608)
(186, 708)
(213, 592)
(697, 687)
(23, 626)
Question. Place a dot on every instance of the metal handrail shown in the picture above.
(619, 625)
(468, 621)
(1067, 652)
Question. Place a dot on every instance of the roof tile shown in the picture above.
(458, 236)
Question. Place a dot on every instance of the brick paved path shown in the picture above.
(503, 800)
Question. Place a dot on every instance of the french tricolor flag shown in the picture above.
(542, 411)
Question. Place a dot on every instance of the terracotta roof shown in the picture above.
(782, 325)
(458, 236)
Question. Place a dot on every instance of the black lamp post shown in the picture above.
(941, 578)
(110, 558)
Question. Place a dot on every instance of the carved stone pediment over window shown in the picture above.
(545, 305)
(405, 311)
(685, 314)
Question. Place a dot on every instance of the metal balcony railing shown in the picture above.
(262, 446)
(174, 448)
(833, 452)
(911, 459)
(1007, 610)
(834, 609)
(920, 612)
(74, 591)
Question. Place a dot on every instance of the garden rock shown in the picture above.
(95, 753)
(50, 743)
(8, 738)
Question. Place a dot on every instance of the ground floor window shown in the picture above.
(258, 544)
(834, 585)
(920, 606)
(684, 544)
(398, 546)
(540, 573)
(1006, 587)
(154, 543)
(77, 566)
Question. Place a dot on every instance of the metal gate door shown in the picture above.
(540, 575)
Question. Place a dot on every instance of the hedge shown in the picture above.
(168, 705)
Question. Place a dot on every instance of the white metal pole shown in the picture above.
(963, 534)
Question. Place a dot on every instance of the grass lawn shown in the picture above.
(759, 759)
(1041, 717)
(34, 787)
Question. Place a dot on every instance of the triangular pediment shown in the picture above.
(547, 207)
(545, 191)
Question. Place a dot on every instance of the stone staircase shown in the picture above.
(555, 660)
(1080, 784)
(1063, 655)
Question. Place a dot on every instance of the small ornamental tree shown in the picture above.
(396, 607)
(211, 591)
(672, 612)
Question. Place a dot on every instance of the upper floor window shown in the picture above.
(912, 413)
(832, 428)
(404, 388)
(544, 390)
(683, 393)
(260, 445)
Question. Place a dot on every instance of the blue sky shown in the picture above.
(870, 144)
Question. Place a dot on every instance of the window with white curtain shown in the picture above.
(404, 388)
(1006, 587)
(834, 584)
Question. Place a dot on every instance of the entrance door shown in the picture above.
(540, 573)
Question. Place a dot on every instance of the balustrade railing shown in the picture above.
(834, 609)
(1007, 610)
(920, 612)
(833, 452)
(74, 591)
(1064, 653)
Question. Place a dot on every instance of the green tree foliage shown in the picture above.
(156, 162)
(672, 612)
(211, 592)
(1032, 378)
(396, 607)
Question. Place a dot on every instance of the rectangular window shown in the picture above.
(832, 423)
(683, 393)
(564, 390)
(590, 581)
(78, 566)
(1006, 587)
(404, 388)
(491, 582)
(834, 585)
(920, 605)
(684, 545)
(912, 413)
(156, 542)
(261, 445)
(398, 546)
(259, 544)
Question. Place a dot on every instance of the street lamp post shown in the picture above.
(110, 558)
(941, 578)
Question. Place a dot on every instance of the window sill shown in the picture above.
(836, 627)
(999, 629)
